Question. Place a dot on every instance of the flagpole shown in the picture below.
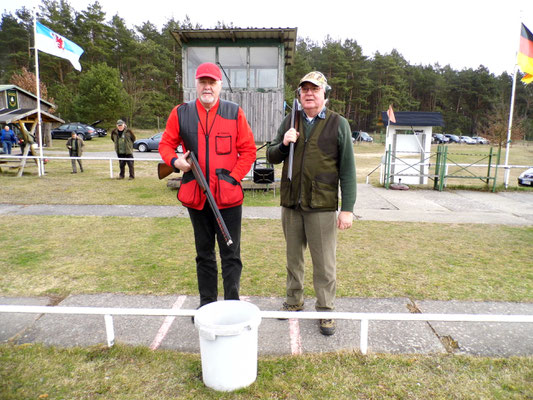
(510, 125)
(40, 164)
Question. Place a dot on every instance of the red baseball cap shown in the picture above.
(209, 70)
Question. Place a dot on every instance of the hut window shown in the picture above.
(195, 57)
(234, 62)
(264, 67)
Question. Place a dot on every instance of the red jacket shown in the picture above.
(223, 143)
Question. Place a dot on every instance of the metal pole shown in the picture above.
(490, 162)
(506, 178)
(40, 165)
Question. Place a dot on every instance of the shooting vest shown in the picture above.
(214, 141)
(315, 176)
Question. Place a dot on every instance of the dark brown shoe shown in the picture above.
(291, 307)
(327, 326)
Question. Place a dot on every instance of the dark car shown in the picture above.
(453, 138)
(101, 131)
(526, 178)
(86, 132)
(149, 144)
(361, 137)
(440, 138)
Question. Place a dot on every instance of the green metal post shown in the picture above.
(437, 161)
(496, 169)
(443, 169)
(387, 167)
(490, 162)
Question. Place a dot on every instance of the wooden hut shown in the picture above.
(253, 63)
(18, 108)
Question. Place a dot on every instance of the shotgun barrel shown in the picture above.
(164, 170)
(294, 117)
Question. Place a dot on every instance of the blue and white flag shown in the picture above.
(50, 42)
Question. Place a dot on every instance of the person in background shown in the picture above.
(75, 149)
(219, 135)
(323, 159)
(123, 138)
(8, 138)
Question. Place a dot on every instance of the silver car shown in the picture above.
(526, 178)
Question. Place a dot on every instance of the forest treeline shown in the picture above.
(135, 73)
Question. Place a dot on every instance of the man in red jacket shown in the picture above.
(219, 135)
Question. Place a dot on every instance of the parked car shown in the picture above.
(467, 140)
(526, 178)
(101, 131)
(148, 144)
(453, 138)
(480, 140)
(361, 136)
(151, 143)
(86, 132)
(439, 138)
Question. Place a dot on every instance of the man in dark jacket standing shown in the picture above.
(323, 160)
(124, 138)
(219, 135)
(75, 149)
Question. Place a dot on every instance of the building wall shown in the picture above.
(264, 110)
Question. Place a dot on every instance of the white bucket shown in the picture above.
(228, 343)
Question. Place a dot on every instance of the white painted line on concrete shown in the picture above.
(167, 323)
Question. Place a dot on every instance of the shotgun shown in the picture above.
(291, 145)
(164, 170)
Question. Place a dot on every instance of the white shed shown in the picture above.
(409, 142)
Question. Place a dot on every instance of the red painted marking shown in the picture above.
(167, 323)
(295, 337)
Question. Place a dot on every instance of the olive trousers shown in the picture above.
(318, 230)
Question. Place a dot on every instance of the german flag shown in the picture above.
(525, 54)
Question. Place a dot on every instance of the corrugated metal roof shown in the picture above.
(20, 114)
(287, 36)
(414, 118)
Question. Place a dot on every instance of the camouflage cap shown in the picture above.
(316, 78)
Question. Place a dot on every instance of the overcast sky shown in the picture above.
(461, 33)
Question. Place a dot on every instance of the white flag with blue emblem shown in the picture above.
(50, 42)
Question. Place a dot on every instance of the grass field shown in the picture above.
(61, 255)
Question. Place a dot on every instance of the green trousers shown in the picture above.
(318, 230)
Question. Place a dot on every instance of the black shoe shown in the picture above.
(327, 326)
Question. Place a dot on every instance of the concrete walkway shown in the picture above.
(300, 336)
(373, 204)
(278, 337)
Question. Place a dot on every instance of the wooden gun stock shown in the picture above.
(164, 170)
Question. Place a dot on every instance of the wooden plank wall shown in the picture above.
(264, 110)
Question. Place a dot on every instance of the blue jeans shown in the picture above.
(7, 147)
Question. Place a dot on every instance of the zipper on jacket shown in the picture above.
(206, 133)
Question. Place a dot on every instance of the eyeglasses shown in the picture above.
(310, 89)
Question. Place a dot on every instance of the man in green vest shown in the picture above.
(323, 160)
(124, 138)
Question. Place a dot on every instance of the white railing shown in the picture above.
(110, 159)
(108, 314)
